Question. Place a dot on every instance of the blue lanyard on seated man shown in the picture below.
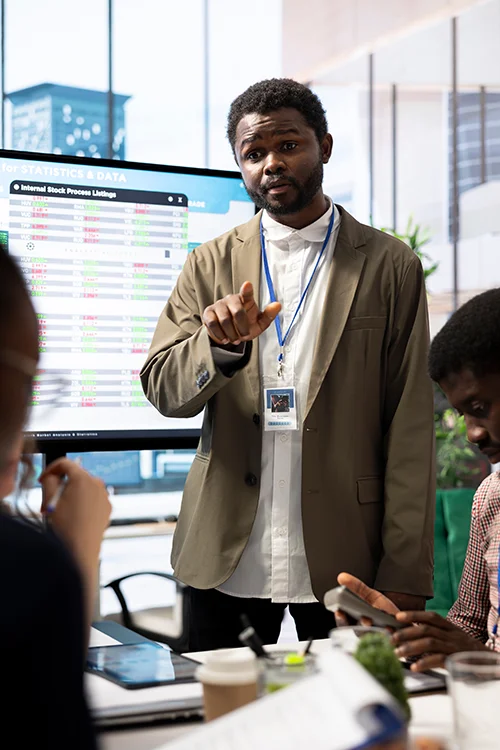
(494, 631)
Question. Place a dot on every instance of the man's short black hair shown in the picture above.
(470, 340)
(277, 93)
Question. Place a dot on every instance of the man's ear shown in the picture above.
(326, 148)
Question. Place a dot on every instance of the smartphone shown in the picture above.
(341, 598)
(140, 665)
(423, 682)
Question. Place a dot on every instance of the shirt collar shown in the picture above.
(314, 232)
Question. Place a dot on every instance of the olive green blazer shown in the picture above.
(368, 492)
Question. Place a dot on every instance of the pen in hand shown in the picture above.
(52, 504)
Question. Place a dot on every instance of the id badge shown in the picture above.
(280, 409)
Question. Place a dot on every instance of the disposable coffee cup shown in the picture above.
(229, 680)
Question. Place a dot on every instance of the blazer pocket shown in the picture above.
(370, 490)
(367, 323)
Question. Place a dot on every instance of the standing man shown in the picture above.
(301, 302)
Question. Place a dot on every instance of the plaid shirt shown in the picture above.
(476, 609)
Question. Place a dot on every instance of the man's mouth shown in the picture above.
(278, 187)
(492, 454)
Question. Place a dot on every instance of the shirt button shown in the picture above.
(281, 532)
(284, 437)
(250, 480)
(281, 483)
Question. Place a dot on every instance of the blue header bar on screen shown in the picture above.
(206, 193)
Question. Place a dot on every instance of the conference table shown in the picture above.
(431, 714)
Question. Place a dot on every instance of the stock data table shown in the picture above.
(88, 388)
(126, 280)
(100, 265)
(92, 216)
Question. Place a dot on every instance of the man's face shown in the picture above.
(478, 399)
(281, 160)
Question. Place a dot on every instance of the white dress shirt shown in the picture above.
(273, 564)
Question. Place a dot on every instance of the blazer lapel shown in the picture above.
(343, 280)
(246, 262)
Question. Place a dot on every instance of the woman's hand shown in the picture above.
(82, 513)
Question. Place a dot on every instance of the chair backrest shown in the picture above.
(451, 537)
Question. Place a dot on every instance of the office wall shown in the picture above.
(324, 33)
(395, 109)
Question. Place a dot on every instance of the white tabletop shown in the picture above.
(431, 714)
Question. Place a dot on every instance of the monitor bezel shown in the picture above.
(175, 438)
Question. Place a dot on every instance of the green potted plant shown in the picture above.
(376, 654)
(416, 237)
(459, 470)
(454, 455)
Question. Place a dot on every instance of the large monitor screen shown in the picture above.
(101, 244)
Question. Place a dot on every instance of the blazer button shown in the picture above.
(250, 480)
(202, 378)
(256, 420)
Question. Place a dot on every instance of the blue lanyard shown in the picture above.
(282, 338)
(495, 626)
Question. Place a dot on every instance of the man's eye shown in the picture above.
(479, 409)
(252, 156)
(289, 146)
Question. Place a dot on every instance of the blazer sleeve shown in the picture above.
(180, 374)
(408, 528)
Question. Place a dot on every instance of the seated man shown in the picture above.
(465, 361)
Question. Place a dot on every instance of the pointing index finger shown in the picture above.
(246, 294)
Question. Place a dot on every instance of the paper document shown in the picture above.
(106, 697)
(333, 710)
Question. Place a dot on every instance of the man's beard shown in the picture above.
(305, 193)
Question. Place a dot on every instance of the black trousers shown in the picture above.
(214, 619)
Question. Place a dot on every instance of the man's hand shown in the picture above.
(370, 596)
(429, 634)
(237, 317)
(406, 601)
(425, 634)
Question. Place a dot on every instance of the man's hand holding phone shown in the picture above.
(420, 634)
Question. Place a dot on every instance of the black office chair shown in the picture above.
(164, 624)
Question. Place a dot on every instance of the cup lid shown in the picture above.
(229, 668)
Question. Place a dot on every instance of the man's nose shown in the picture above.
(274, 163)
(476, 433)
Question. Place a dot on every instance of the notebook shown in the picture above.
(340, 708)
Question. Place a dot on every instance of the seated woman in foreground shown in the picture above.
(48, 579)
